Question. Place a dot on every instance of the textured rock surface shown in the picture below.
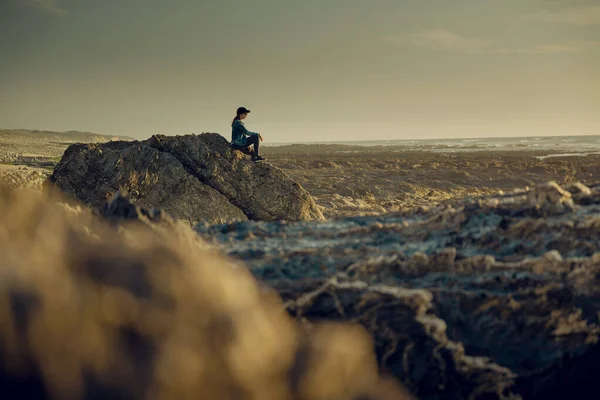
(92, 173)
(90, 310)
(494, 298)
(263, 192)
(194, 178)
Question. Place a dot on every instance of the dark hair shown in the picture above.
(240, 111)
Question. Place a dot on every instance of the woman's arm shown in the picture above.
(246, 131)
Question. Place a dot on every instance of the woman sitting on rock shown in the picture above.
(242, 138)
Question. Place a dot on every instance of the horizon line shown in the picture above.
(318, 142)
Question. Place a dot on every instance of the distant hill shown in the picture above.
(37, 148)
(69, 136)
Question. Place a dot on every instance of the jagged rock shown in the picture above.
(207, 182)
(411, 340)
(151, 315)
(549, 193)
(261, 191)
(495, 298)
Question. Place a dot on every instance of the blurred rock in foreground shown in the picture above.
(141, 308)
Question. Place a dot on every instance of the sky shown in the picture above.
(310, 70)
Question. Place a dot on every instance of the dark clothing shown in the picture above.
(248, 141)
(239, 133)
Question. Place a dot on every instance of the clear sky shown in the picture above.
(310, 70)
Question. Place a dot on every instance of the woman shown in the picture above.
(242, 138)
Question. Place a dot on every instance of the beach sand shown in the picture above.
(351, 180)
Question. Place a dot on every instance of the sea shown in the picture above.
(561, 145)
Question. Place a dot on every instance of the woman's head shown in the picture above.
(241, 113)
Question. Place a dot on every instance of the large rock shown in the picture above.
(93, 173)
(220, 186)
(262, 191)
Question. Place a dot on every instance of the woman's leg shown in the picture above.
(246, 150)
(255, 141)
(250, 141)
(243, 149)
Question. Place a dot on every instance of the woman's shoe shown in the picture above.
(257, 159)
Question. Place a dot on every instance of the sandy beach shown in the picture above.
(346, 180)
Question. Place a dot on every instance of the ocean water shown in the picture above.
(563, 145)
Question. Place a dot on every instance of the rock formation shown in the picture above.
(196, 178)
(495, 298)
(261, 191)
(137, 310)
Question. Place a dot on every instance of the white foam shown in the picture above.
(566, 155)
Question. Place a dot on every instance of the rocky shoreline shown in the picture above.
(496, 297)
(492, 296)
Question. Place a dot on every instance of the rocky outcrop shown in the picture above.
(495, 297)
(90, 310)
(193, 178)
(261, 191)
(93, 173)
